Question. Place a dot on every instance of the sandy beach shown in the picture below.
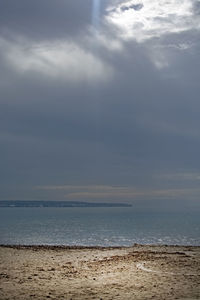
(138, 272)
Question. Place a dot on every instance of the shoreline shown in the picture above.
(97, 247)
(81, 272)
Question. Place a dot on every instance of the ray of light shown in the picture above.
(95, 13)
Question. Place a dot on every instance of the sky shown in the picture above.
(99, 101)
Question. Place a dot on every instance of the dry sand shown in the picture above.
(138, 272)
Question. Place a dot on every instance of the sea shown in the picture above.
(102, 226)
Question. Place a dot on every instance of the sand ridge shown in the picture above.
(137, 272)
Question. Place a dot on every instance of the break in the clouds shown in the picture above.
(143, 20)
(114, 192)
(163, 26)
(100, 100)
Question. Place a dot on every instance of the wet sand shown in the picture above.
(138, 272)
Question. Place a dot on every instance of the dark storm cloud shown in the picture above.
(196, 7)
(136, 7)
(44, 19)
(94, 108)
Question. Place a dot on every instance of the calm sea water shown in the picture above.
(97, 226)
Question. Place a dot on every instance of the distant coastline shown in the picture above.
(37, 203)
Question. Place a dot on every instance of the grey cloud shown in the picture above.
(44, 19)
(130, 129)
(196, 7)
(136, 7)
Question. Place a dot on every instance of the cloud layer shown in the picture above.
(57, 60)
(100, 110)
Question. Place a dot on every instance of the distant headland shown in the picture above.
(37, 203)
